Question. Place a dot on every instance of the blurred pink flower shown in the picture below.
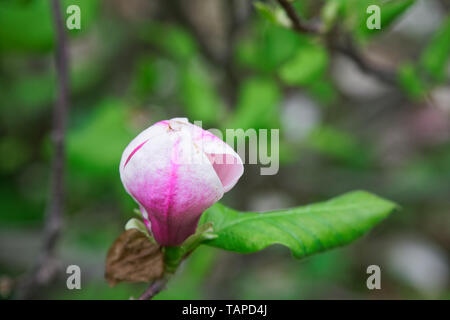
(175, 170)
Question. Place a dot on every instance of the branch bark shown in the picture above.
(297, 23)
(175, 8)
(155, 287)
(45, 268)
(349, 50)
(221, 60)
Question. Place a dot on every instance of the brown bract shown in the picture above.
(133, 258)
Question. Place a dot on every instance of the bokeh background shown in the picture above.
(232, 64)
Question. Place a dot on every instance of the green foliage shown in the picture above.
(409, 79)
(198, 94)
(145, 78)
(305, 67)
(265, 11)
(390, 12)
(275, 15)
(268, 47)
(339, 145)
(305, 230)
(323, 90)
(33, 91)
(355, 14)
(330, 13)
(196, 90)
(258, 105)
(16, 210)
(28, 25)
(96, 147)
(172, 40)
(436, 55)
(17, 153)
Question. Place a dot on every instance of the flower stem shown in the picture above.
(155, 287)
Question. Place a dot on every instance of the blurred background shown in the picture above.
(234, 64)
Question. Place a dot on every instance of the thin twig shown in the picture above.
(175, 8)
(45, 269)
(237, 19)
(155, 287)
(297, 23)
(224, 60)
(348, 48)
(350, 51)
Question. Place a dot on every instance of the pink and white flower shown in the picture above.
(175, 170)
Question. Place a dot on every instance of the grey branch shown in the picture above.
(297, 24)
(155, 287)
(347, 48)
(45, 268)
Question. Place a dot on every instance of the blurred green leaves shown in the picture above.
(409, 79)
(198, 94)
(170, 39)
(330, 13)
(436, 55)
(16, 152)
(267, 47)
(305, 67)
(275, 14)
(196, 90)
(96, 146)
(258, 105)
(304, 230)
(418, 78)
(355, 15)
(28, 26)
(33, 91)
(340, 146)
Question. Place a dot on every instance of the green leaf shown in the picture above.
(257, 106)
(265, 11)
(276, 15)
(308, 64)
(390, 11)
(95, 145)
(267, 46)
(176, 42)
(28, 25)
(305, 230)
(340, 146)
(409, 79)
(330, 13)
(198, 94)
(356, 14)
(137, 224)
(436, 55)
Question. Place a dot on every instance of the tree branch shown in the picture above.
(175, 8)
(347, 48)
(350, 51)
(297, 24)
(155, 287)
(45, 267)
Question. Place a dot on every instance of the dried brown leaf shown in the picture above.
(133, 258)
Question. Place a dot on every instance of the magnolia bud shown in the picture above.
(175, 170)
